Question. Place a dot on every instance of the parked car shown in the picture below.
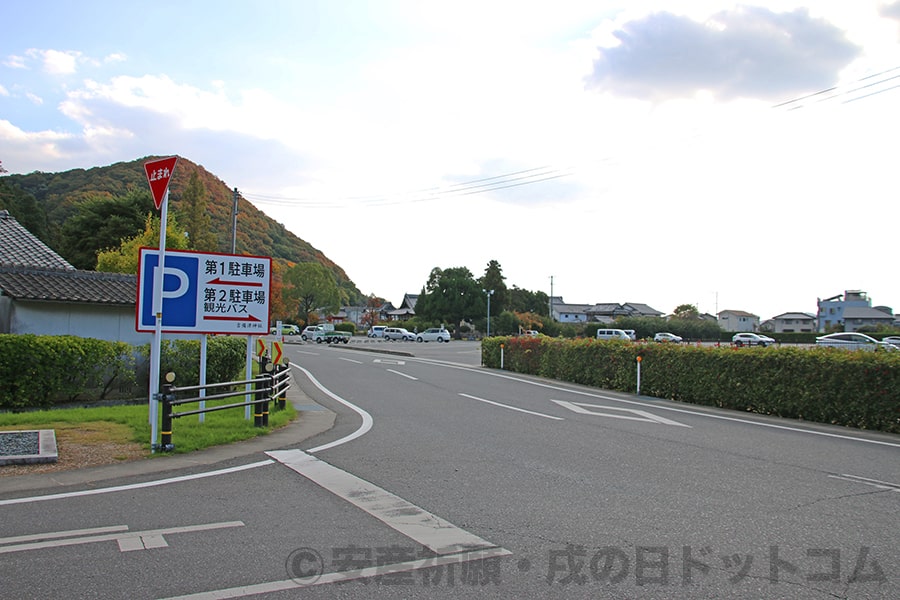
(285, 330)
(376, 331)
(398, 333)
(613, 334)
(665, 336)
(630, 333)
(751, 339)
(853, 341)
(892, 339)
(433, 334)
(531, 332)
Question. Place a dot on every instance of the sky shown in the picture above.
(731, 156)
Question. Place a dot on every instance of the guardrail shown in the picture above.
(271, 386)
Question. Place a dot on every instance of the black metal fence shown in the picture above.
(270, 387)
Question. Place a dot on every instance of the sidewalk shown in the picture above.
(312, 420)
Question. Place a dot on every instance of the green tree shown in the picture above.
(24, 208)
(309, 287)
(523, 301)
(451, 296)
(197, 221)
(124, 259)
(101, 223)
(493, 279)
(686, 311)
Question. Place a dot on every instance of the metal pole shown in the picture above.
(234, 211)
(156, 348)
(638, 376)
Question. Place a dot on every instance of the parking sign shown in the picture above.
(205, 293)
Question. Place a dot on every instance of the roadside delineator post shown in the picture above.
(166, 398)
(639, 358)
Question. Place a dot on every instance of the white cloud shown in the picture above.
(3, 90)
(57, 62)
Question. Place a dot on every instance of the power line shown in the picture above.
(465, 188)
(800, 100)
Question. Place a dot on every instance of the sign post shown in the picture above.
(159, 172)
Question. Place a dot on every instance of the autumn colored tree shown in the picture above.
(124, 258)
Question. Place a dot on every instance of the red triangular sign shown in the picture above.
(158, 174)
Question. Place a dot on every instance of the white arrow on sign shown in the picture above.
(636, 415)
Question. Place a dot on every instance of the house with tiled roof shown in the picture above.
(41, 293)
(738, 320)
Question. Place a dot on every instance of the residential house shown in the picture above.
(793, 322)
(607, 313)
(738, 320)
(859, 317)
(570, 313)
(407, 309)
(42, 294)
(831, 311)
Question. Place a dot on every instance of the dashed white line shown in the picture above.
(402, 374)
(516, 408)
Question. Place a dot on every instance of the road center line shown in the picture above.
(402, 374)
(424, 528)
(530, 412)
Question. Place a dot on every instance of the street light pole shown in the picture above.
(489, 294)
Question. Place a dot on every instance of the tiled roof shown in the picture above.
(20, 248)
(68, 286)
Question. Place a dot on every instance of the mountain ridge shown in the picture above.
(257, 234)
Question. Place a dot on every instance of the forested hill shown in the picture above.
(57, 196)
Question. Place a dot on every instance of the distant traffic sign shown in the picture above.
(206, 293)
(158, 174)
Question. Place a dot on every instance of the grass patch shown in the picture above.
(95, 425)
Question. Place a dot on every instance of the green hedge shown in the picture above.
(42, 371)
(827, 385)
(38, 371)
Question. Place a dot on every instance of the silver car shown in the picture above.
(751, 339)
(433, 334)
(851, 340)
(398, 333)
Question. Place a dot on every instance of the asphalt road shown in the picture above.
(443, 479)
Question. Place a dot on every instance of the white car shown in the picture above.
(751, 339)
(398, 333)
(433, 334)
(892, 339)
(376, 331)
(665, 336)
(853, 341)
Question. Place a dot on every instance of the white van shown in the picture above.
(613, 334)
(376, 331)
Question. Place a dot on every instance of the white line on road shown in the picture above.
(342, 576)
(530, 412)
(583, 408)
(134, 486)
(366, 417)
(403, 374)
(647, 403)
(62, 534)
(421, 526)
(130, 540)
(350, 360)
(882, 485)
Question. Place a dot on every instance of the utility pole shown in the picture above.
(551, 297)
(234, 211)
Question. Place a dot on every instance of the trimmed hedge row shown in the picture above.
(41, 371)
(826, 385)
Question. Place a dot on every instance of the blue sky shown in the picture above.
(633, 151)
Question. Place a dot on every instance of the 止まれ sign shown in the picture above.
(205, 293)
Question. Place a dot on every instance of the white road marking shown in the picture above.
(882, 485)
(342, 576)
(127, 541)
(350, 360)
(366, 417)
(403, 374)
(61, 534)
(659, 406)
(386, 361)
(530, 412)
(134, 486)
(642, 415)
(424, 528)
